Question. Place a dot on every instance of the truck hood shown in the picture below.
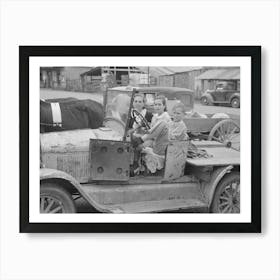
(75, 140)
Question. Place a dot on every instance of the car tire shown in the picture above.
(235, 102)
(204, 101)
(55, 199)
(224, 200)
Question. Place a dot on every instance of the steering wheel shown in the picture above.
(144, 122)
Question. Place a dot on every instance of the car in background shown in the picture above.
(224, 93)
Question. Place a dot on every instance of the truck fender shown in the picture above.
(210, 187)
(68, 182)
(236, 94)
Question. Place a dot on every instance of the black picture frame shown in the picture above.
(254, 52)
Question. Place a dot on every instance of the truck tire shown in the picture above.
(55, 199)
(235, 102)
(206, 101)
(227, 195)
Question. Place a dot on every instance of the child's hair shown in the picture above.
(140, 95)
(181, 106)
(163, 100)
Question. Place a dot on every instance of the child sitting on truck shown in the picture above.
(177, 127)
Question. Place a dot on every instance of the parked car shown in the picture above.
(95, 164)
(224, 93)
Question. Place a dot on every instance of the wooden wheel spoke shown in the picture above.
(55, 210)
(224, 204)
(216, 139)
(225, 210)
(227, 193)
(49, 206)
(224, 198)
(226, 131)
(42, 203)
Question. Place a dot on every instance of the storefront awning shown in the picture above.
(220, 74)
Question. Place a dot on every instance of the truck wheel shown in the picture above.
(227, 195)
(227, 132)
(204, 100)
(55, 199)
(235, 103)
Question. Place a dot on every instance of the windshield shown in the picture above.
(117, 109)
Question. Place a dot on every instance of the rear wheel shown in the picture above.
(235, 103)
(227, 195)
(55, 199)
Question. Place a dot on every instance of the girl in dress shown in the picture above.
(154, 142)
(139, 106)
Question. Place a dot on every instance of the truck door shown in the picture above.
(109, 160)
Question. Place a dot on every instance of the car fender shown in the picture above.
(209, 96)
(209, 187)
(69, 182)
(236, 94)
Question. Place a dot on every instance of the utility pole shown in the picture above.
(148, 76)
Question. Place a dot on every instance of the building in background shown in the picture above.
(112, 75)
(193, 77)
(96, 79)
(210, 78)
(64, 78)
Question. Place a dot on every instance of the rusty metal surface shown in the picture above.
(47, 173)
(75, 164)
(176, 156)
(208, 188)
(74, 140)
(160, 206)
(109, 160)
(122, 194)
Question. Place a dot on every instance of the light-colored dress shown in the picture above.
(159, 133)
(177, 131)
(156, 142)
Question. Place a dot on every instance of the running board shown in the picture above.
(160, 206)
(145, 198)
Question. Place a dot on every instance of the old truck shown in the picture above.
(95, 164)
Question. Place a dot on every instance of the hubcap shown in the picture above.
(235, 103)
(229, 201)
(49, 204)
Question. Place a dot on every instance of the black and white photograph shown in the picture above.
(128, 139)
(139, 140)
(141, 143)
